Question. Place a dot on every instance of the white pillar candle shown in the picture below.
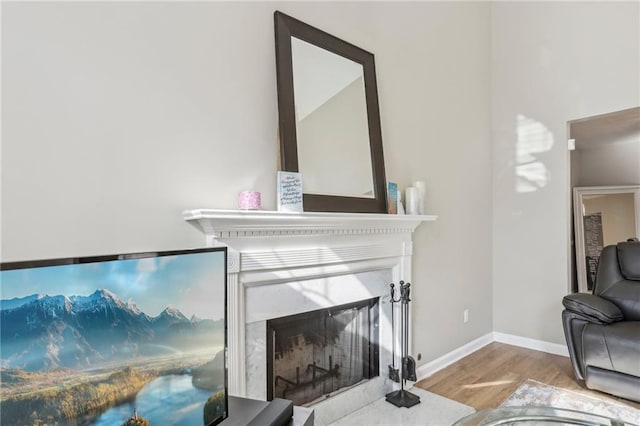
(411, 200)
(420, 186)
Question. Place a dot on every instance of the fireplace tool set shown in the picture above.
(402, 397)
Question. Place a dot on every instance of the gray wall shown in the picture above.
(611, 163)
(119, 116)
(553, 62)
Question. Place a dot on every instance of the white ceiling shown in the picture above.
(616, 127)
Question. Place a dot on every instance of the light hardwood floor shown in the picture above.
(487, 377)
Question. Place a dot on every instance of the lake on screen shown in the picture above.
(167, 400)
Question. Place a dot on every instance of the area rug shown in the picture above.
(532, 392)
(433, 410)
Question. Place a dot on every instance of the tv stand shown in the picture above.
(279, 412)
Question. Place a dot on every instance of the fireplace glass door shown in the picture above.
(314, 354)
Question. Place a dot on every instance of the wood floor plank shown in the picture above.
(488, 376)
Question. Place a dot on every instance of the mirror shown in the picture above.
(329, 119)
(603, 215)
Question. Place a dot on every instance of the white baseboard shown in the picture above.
(525, 342)
(447, 359)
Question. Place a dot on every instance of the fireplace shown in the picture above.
(283, 264)
(315, 354)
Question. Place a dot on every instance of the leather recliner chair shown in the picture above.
(603, 329)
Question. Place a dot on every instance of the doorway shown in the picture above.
(607, 153)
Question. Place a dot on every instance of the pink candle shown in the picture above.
(249, 200)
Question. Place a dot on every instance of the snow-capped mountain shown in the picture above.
(170, 316)
(98, 297)
(45, 332)
(18, 301)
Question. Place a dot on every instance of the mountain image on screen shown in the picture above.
(114, 339)
(41, 332)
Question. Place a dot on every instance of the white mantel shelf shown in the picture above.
(253, 223)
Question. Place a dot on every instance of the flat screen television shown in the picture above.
(129, 339)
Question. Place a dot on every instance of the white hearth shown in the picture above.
(281, 264)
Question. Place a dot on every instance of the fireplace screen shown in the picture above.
(313, 354)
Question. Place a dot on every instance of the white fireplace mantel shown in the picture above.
(267, 249)
(248, 223)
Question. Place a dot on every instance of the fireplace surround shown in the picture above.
(282, 264)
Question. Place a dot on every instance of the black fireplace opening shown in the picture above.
(314, 354)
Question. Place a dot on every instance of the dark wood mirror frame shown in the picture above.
(285, 28)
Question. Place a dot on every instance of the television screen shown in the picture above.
(131, 339)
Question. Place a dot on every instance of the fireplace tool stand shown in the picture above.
(402, 397)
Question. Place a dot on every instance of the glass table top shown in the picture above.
(537, 416)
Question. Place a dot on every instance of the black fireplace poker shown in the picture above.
(402, 397)
(394, 373)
